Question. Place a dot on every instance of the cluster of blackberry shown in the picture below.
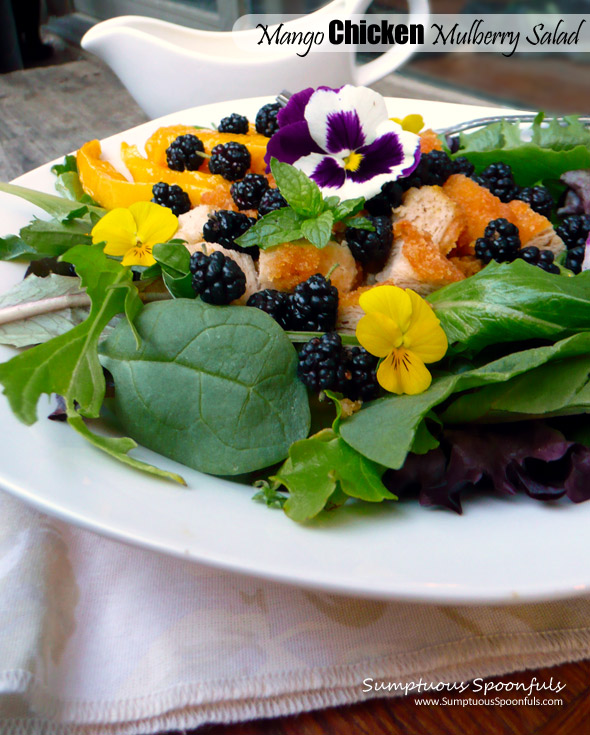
(312, 307)
(574, 230)
(225, 226)
(501, 242)
(324, 364)
(434, 169)
(499, 179)
(371, 248)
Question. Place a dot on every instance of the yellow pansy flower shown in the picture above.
(132, 233)
(402, 329)
(411, 123)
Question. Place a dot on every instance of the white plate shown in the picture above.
(500, 550)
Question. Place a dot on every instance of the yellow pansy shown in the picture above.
(403, 330)
(411, 123)
(132, 233)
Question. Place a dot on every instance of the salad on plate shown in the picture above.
(329, 303)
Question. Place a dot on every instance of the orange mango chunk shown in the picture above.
(107, 186)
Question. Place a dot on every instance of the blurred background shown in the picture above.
(552, 82)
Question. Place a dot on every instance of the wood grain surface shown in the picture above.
(45, 113)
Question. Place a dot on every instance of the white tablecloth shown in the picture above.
(97, 637)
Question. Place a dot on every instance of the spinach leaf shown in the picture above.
(212, 387)
(174, 260)
(510, 302)
(385, 430)
(319, 466)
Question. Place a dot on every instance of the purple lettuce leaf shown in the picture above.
(527, 457)
(577, 200)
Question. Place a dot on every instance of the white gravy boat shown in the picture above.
(167, 67)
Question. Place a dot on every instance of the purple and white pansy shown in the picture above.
(344, 140)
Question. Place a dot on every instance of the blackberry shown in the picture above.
(575, 258)
(501, 242)
(46, 266)
(266, 119)
(183, 153)
(541, 258)
(538, 198)
(248, 192)
(371, 248)
(462, 165)
(498, 178)
(274, 303)
(388, 198)
(433, 169)
(171, 196)
(217, 279)
(231, 160)
(314, 305)
(574, 230)
(234, 123)
(321, 363)
(360, 375)
(271, 199)
(225, 226)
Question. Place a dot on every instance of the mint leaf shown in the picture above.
(319, 466)
(348, 208)
(275, 228)
(360, 223)
(302, 194)
(318, 230)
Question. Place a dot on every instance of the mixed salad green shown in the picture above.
(517, 371)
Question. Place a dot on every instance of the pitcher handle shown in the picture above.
(365, 74)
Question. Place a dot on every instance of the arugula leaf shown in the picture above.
(13, 247)
(51, 238)
(44, 326)
(196, 391)
(268, 495)
(56, 206)
(302, 194)
(282, 225)
(399, 417)
(68, 166)
(318, 230)
(510, 302)
(318, 466)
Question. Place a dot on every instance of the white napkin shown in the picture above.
(97, 637)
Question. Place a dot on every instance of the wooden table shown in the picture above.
(47, 112)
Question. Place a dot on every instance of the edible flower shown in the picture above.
(412, 123)
(401, 328)
(344, 140)
(133, 232)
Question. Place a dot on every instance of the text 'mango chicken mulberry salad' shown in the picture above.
(329, 303)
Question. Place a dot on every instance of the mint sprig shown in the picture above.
(309, 215)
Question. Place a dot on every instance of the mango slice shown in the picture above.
(195, 183)
(104, 183)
